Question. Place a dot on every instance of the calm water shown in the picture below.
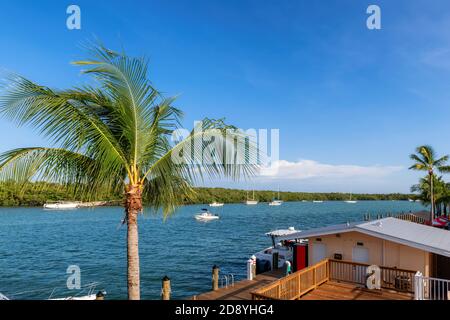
(37, 246)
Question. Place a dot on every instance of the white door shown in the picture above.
(361, 255)
(319, 252)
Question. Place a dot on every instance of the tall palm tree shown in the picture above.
(426, 160)
(116, 136)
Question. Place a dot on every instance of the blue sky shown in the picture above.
(351, 104)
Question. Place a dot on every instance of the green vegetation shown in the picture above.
(432, 189)
(36, 194)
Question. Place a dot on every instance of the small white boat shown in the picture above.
(88, 290)
(216, 205)
(206, 216)
(62, 205)
(351, 201)
(275, 203)
(251, 202)
(317, 201)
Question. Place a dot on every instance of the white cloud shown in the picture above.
(309, 169)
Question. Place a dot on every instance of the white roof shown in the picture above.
(411, 234)
(282, 233)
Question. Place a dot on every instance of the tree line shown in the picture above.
(38, 193)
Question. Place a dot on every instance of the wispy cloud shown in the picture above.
(309, 169)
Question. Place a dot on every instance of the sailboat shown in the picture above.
(276, 202)
(351, 201)
(252, 202)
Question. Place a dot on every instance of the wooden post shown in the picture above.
(275, 258)
(165, 295)
(215, 278)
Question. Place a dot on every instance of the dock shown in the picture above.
(242, 290)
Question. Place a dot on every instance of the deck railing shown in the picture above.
(412, 218)
(353, 272)
(298, 284)
(295, 285)
(427, 288)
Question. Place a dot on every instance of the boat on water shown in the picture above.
(62, 205)
(216, 205)
(206, 216)
(351, 201)
(276, 202)
(283, 242)
(317, 201)
(86, 293)
(251, 202)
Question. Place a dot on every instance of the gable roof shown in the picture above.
(411, 234)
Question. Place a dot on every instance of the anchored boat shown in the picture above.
(216, 204)
(62, 205)
(206, 216)
(87, 293)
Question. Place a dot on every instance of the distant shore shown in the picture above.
(33, 196)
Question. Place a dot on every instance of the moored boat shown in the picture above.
(206, 216)
(62, 205)
(216, 204)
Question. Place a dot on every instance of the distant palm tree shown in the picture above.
(116, 137)
(426, 160)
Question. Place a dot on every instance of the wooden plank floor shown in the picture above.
(242, 289)
(345, 291)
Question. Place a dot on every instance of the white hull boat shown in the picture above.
(351, 201)
(317, 201)
(88, 290)
(251, 202)
(62, 206)
(275, 203)
(206, 216)
(216, 205)
(282, 241)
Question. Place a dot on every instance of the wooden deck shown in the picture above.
(242, 289)
(344, 291)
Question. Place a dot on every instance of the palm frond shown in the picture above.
(72, 170)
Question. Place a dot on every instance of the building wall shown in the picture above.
(380, 252)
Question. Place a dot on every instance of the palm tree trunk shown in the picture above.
(432, 197)
(133, 206)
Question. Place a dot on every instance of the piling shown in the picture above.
(165, 294)
(275, 258)
(215, 278)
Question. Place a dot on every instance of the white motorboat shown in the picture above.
(206, 216)
(282, 243)
(62, 205)
(317, 201)
(88, 290)
(275, 203)
(216, 205)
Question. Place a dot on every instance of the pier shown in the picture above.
(242, 290)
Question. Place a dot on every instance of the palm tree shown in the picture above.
(116, 137)
(425, 160)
